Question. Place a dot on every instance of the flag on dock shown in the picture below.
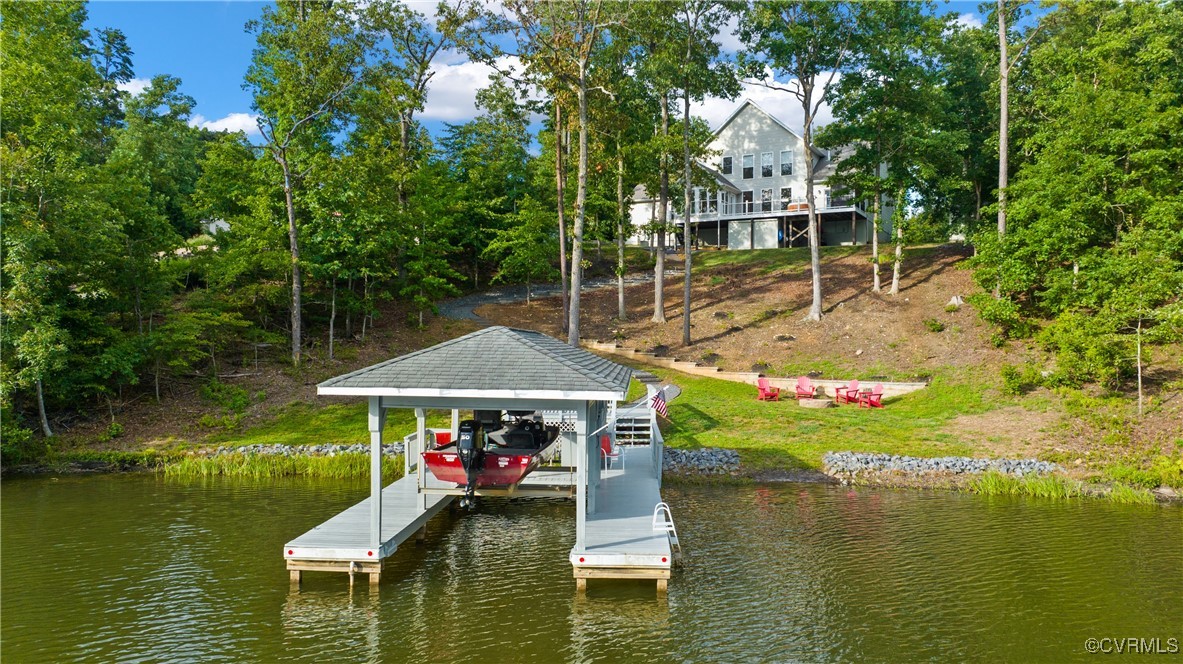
(658, 403)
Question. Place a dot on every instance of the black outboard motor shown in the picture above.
(471, 448)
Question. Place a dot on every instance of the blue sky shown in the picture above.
(205, 45)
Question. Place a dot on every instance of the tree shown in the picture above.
(52, 246)
(701, 73)
(309, 57)
(555, 43)
(809, 42)
(1094, 241)
(655, 63)
(524, 249)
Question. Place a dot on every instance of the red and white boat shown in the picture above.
(492, 453)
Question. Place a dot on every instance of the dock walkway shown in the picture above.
(342, 543)
(620, 542)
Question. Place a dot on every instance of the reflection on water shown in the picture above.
(139, 568)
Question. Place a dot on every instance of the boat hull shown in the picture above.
(498, 468)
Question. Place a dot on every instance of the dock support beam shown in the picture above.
(377, 421)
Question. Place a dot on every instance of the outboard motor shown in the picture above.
(470, 445)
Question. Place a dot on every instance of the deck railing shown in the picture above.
(763, 208)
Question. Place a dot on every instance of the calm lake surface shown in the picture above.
(142, 568)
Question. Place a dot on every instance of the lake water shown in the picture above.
(142, 568)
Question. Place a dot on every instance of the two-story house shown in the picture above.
(758, 197)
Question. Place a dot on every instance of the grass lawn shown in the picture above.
(339, 424)
(781, 435)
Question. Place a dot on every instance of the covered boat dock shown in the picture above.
(500, 368)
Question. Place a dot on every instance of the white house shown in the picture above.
(758, 200)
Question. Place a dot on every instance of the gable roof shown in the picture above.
(748, 102)
(493, 362)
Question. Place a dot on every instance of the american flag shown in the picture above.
(658, 403)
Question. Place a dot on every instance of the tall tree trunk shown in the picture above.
(45, 430)
(580, 210)
(875, 221)
(293, 241)
(663, 209)
(349, 310)
(815, 259)
(898, 214)
(621, 224)
(686, 191)
(1003, 119)
(560, 185)
(1139, 365)
(332, 318)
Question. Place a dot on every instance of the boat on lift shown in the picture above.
(490, 452)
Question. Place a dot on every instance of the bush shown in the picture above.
(1003, 314)
(1087, 354)
(230, 397)
(1017, 381)
(934, 325)
(17, 444)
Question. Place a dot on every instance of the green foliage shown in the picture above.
(228, 397)
(993, 483)
(1159, 470)
(934, 325)
(1003, 314)
(1126, 495)
(266, 466)
(1016, 381)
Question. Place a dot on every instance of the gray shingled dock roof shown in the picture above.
(498, 360)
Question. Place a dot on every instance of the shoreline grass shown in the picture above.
(266, 466)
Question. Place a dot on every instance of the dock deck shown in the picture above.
(620, 542)
(342, 543)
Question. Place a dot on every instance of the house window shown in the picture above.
(786, 197)
(702, 201)
(825, 194)
(747, 202)
(786, 162)
(749, 166)
(765, 164)
(766, 199)
(712, 202)
(726, 166)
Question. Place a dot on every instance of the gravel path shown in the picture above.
(461, 308)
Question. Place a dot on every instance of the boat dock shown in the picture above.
(623, 530)
(620, 541)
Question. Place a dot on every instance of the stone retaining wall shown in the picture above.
(787, 385)
(856, 463)
(705, 461)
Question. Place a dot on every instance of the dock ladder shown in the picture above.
(663, 519)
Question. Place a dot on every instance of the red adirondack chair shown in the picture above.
(872, 399)
(767, 392)
(848, 394)
(805, 388)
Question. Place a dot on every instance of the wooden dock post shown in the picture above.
(581, 585)
(421, 534)
(295, 576)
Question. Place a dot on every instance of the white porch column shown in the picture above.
(581, 457)
(420, 441)
(377, 420)
(455, 424)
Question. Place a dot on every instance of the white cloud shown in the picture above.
(135, 86)
(729, 41)
(780, 103)
(244, 122)
(451, 95)
(968, 20)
